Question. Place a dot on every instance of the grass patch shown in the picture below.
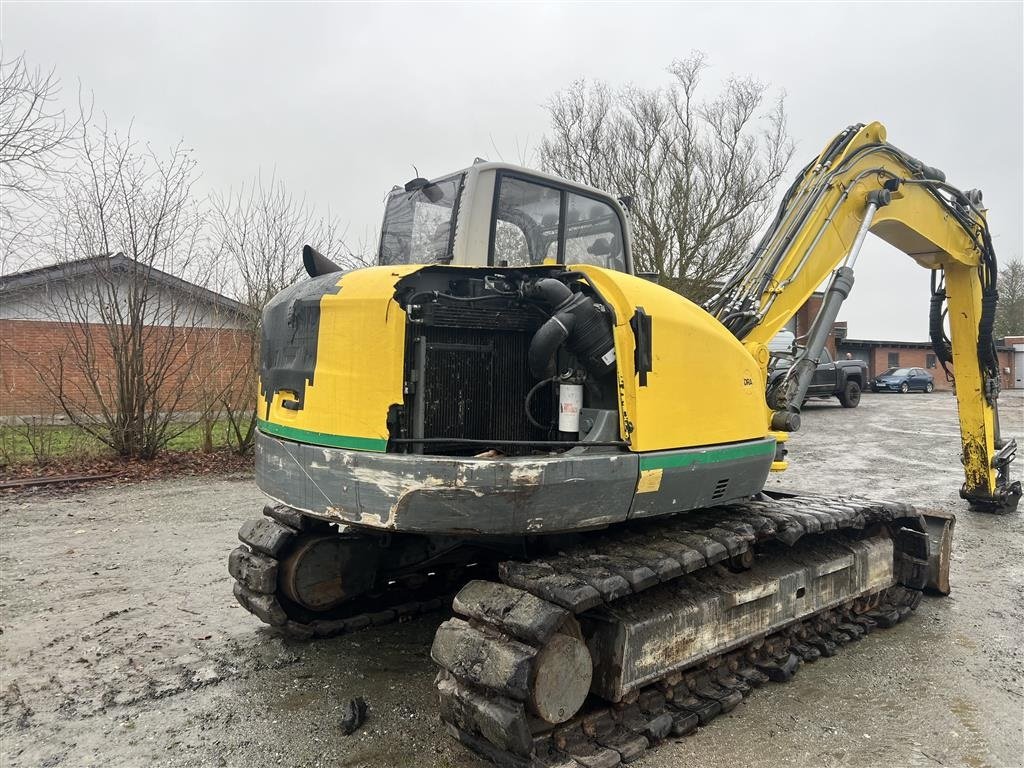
(42, 444)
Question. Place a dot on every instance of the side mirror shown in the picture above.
(652, 276)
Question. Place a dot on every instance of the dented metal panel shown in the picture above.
(505, 495)
(435, 494)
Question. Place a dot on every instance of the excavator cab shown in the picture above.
(504, 216)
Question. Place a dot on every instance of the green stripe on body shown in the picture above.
(323, 438)
(707, 455)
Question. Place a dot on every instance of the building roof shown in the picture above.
(927, 345)
(883, 343)
(118, 262)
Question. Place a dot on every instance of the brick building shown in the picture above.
(1016, 343)
(882, 355)
(48, 313)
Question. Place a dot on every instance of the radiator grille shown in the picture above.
(469, 316)
(476, 386)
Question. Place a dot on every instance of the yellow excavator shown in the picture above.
(503, 408)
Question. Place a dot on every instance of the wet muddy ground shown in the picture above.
(122, 644)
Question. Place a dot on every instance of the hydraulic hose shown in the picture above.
(529, 399)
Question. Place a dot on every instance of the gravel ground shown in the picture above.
(122, 644)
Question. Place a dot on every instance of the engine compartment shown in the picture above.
(508, 362)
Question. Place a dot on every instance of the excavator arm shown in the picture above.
(859, 184)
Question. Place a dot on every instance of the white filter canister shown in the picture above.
(570, 402)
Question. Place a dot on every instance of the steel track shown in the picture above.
(490, 713)
(268, 540)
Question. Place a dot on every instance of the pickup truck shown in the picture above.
(844, 379)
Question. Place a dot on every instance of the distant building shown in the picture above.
(41, 308)
(882, 355)
(1016, 343)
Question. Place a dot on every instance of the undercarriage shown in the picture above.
(589, 649)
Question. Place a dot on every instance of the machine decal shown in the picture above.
(707, 456)
(322, 438)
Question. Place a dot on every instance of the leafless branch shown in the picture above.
(702, 173)
(35, 137)
(257, 234)
(133, 338)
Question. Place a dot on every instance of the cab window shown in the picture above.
(419, 223)
(593, 234)
(528, 227)
(526, 223)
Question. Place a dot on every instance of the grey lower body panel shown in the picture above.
(448, 495)
(507, 496)
(701, 477)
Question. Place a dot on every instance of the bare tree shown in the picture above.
(127, 229)
(258, 233)
(34, 135)
(701, 173)
(1010, 309)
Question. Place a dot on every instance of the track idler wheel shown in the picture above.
(324, 570)
(291, 570)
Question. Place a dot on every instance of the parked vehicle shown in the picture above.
(844, 379)
(904, 380)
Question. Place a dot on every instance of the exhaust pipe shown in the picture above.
(316, 263)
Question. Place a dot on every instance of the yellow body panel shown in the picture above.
(359, 364)
(704, 387)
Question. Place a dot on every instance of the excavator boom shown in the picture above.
(861, 184)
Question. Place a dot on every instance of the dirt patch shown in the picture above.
(122, 643)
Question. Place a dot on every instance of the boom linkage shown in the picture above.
(860, 184)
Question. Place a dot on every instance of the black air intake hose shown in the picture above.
(552, 292)
(545, 342)
(575, 320)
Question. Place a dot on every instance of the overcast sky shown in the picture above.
(341, 100)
